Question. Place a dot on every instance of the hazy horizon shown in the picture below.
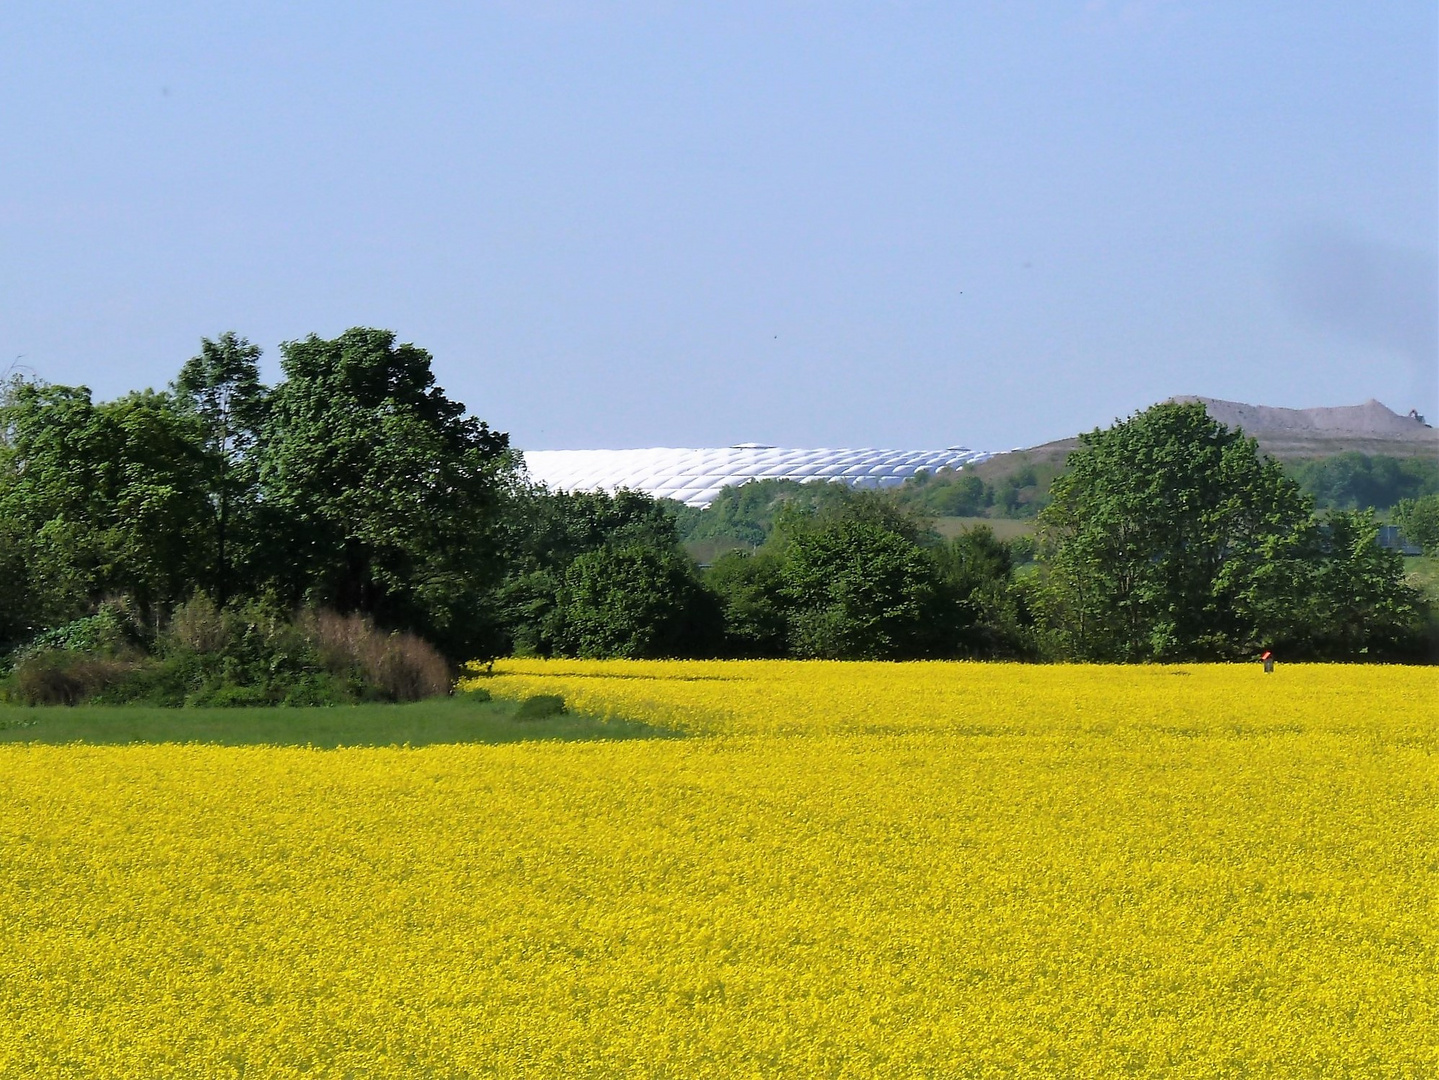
(631, 224)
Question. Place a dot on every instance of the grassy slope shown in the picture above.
(1003, 528)
(707, 551)
(439, 720)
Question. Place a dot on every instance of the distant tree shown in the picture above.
(1169, 537)
(1418, 521)
(750, 512)
(967, 496)
(221, 387)
(845, 506)
(635, 601)
(1352, 600)
(1353, 480)
(380, 495)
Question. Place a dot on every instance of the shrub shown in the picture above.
(246, 654)
(540, 707)
(397, 667)
(228, 696)
(200, 626)
(109, 632)
(405, 668)
(63, 677)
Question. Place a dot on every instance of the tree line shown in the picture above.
(356, 486)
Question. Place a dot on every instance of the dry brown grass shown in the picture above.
(200, 626)
(60, 677)
(401, 666)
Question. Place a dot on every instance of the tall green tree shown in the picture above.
(1353, 600)
(1170, 537)
(750, 589)
(991, 617)
(380, 494)
(1353, 481)
(221, 388)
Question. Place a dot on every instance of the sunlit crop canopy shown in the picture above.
(695, 476)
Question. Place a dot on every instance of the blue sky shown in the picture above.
(802, 223)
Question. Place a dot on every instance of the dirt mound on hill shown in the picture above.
(1372, 428)
(1287, 434)
(1372, 420)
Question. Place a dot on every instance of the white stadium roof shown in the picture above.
(695, 477)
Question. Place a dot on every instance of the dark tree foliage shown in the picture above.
(750, 589)
(858, 576)
(379, 495)
(1352, 600)
(991, 616)
(856, 590)
(96, 500)
(221, 388)
(596, 574)
(549, 529)
(636, 601)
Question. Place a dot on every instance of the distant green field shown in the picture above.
(439, 720)
(707, 551)
(1003, 528)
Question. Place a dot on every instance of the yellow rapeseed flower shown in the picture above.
(847, 870)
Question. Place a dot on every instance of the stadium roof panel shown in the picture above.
(695, 476)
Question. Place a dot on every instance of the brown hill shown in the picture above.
(1286, 434)
(1372, 428)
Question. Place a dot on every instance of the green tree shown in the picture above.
(749, 512)
(544, 532)
(550, 528)
(1353, 480)
(750, 588)
(96, 500)
(1418, 521)
(221, 387)
(991, 617)
(635, 601)
(380, 495)
(1170, 537)
(1353, 601)
(857, 590)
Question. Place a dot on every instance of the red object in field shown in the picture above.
(1265, 655)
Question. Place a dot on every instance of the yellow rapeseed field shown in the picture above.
(856, 870)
